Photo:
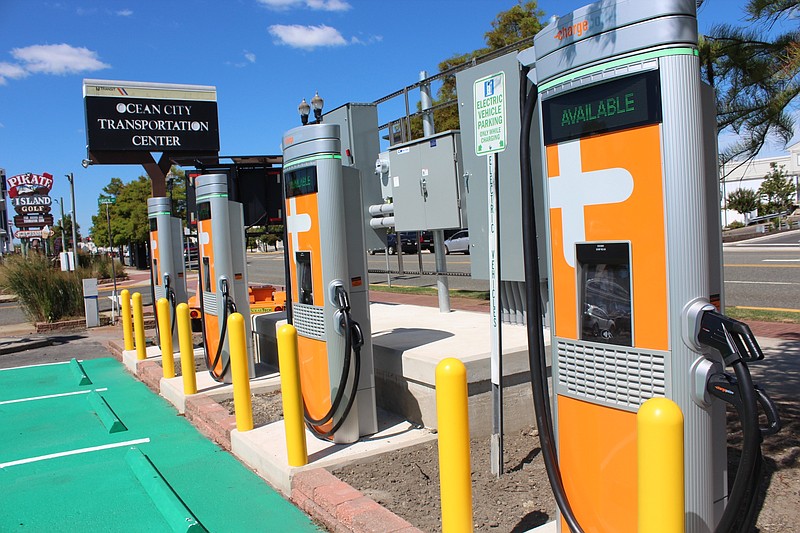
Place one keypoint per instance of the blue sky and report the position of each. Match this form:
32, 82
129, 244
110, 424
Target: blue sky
263, 56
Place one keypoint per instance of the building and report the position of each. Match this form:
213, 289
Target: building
751, 174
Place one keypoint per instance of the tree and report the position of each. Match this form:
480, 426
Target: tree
743, 201
128, 215
63, 230
756, 76
520, 22
777, 189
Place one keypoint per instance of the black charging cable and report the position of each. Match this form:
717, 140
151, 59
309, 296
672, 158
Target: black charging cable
229, 306
353, 341
536, 352
736, 344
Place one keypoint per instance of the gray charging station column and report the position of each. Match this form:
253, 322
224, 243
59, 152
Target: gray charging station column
619, 97
168, 271
327, 263
223, 271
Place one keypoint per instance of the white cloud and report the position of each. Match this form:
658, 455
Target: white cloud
250, 56
308, 37
57, 59
11, 71
125, 12
280, 5
372, 39
328, 5
318, 5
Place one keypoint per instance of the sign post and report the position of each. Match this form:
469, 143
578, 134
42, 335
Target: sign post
490, 139
109, 200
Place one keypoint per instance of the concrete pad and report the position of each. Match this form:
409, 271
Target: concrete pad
264, 448
152, 353
409, 341
172, 388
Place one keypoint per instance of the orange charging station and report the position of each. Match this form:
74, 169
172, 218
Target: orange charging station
167, 269
634, 265
328, 284
223, 272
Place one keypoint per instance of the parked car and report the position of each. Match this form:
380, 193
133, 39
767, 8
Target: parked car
408, 240
190, 254
597, 323
458, 242
426, 241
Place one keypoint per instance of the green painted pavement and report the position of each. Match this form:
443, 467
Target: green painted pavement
109, 486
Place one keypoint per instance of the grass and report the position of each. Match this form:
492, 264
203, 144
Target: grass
746, 314
475, 295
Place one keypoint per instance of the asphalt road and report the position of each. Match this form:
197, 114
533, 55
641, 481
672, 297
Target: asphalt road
762, 273
269, 268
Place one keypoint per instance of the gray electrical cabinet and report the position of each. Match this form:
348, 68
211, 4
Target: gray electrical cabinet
427, 180
508, 174
360, 140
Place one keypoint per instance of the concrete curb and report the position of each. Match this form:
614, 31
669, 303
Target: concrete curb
340, 507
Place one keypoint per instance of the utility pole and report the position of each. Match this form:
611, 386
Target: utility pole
74, 222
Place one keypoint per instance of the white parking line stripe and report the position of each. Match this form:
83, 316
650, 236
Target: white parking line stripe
74, 452
36, 366
32, 398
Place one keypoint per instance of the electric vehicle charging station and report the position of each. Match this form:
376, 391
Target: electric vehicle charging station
223, 272
626, 188
167, 269
328, 284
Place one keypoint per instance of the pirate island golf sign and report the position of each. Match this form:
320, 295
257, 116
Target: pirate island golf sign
29, 195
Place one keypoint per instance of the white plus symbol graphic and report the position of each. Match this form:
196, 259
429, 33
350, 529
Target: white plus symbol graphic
574, 189
296, 223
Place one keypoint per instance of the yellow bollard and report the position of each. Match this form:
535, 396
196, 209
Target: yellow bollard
127, 325
454, 467
292, 396
659, 425
138, 327
187, 350
241, 380
165, 334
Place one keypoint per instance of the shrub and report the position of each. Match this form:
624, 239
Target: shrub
736, 224
100, 268
45, 294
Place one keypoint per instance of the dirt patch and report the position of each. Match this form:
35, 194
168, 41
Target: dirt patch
407, 481
267, 408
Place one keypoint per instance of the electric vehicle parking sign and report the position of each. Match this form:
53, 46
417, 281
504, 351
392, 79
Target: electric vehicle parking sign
490, 114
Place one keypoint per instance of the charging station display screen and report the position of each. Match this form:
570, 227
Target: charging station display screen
301, 181
614, 105
204, 211
305, 287
153, 224
605, 287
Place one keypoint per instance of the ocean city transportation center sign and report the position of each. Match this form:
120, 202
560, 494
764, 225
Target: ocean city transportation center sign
150, 117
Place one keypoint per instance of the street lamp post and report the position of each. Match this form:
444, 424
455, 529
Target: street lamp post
304, 109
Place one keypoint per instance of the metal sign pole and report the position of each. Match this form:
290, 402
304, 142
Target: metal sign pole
495, 327
113, 268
